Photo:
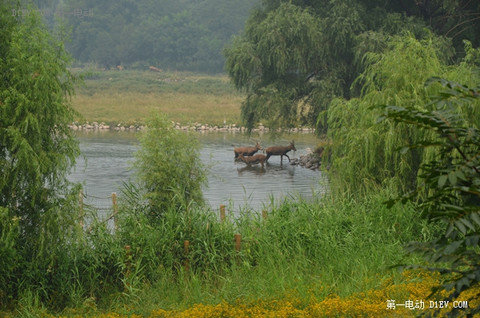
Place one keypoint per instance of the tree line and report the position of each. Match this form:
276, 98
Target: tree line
177, 35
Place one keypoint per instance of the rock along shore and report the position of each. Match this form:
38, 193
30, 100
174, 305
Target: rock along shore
310, 161
194, 127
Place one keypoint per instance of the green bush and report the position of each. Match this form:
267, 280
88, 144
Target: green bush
337, 243
169, 170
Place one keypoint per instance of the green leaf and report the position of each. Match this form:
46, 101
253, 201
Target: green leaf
467, 223
452, 247
380, 119
441, 180
464, 281
450, 229
461, 227
404, 150
451, 208
472, 240
452, 177
460, 175
475, 216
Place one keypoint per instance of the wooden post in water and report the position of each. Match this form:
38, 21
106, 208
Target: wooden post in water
115, 210
238, 242
186, 245
222, 212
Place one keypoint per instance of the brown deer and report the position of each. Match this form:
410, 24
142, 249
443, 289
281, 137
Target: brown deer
280, 151
154, 69
247, 151
252, 160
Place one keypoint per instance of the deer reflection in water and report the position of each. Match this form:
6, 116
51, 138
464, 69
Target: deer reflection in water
255, 170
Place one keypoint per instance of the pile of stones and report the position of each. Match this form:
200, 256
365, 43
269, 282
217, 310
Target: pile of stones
311, 160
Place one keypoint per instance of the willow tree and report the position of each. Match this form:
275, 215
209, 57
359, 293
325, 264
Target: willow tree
36, 145
450, 189
364, 151
274, 61
296, 56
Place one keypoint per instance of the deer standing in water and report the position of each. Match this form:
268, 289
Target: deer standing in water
247, 151
280, 151
251, 160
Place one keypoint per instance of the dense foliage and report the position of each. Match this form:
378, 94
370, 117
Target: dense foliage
274, 62
168, 34
169, 168
364, 151
295, 56
450, 187
36, 151
348, 59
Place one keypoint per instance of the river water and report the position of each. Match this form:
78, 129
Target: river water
107, 158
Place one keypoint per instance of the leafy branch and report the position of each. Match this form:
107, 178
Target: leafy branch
449, 191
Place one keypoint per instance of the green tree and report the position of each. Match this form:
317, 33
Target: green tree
457, 20
450, 186
37, 148
274, 61
364, 151
337, 34
296, 56
169, 169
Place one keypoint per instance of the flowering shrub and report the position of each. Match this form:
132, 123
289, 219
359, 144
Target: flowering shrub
417, 286
372, 303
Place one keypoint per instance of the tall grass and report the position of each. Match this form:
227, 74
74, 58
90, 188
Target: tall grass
334, 245
340, 246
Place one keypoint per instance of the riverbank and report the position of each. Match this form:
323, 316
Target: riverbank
193, 127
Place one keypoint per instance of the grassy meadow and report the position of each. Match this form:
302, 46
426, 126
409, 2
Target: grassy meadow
130, 96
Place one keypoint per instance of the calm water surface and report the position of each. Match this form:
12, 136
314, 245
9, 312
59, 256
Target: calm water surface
107, 158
